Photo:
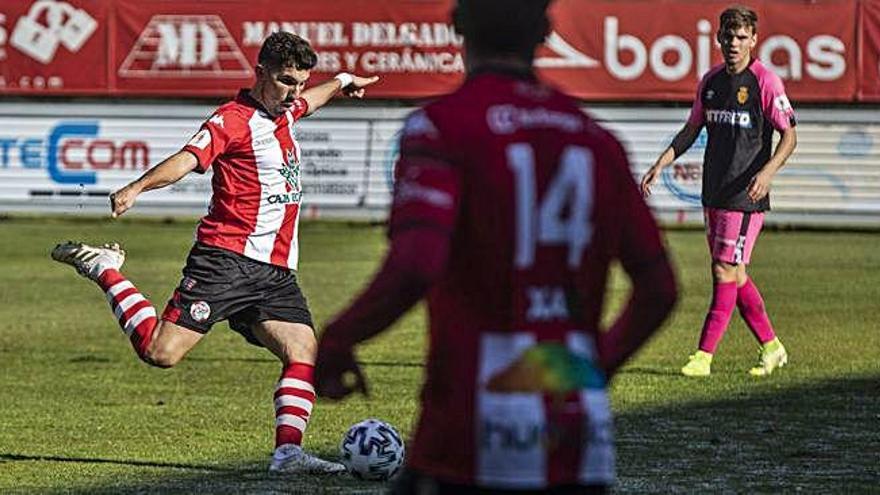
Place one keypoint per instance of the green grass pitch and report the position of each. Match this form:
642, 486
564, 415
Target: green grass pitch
80, 414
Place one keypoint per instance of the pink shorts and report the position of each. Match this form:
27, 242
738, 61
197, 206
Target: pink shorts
732, 234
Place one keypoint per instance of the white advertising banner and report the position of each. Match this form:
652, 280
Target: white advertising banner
69, 157
73, 164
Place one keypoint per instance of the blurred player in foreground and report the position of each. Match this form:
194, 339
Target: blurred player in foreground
509, 206
740, 102
242, 267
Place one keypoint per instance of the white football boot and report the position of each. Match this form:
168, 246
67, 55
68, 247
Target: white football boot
89, 261
293, 459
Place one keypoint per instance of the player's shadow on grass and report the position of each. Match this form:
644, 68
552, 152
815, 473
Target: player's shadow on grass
136, 463
384, 364
658, 371
764, 439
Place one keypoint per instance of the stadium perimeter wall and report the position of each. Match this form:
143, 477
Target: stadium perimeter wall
67, 157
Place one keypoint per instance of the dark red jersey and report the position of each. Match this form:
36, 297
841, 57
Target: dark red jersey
256, 185
538, 200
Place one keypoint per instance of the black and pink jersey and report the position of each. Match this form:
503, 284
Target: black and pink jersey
257, 191
740, 112
539, 201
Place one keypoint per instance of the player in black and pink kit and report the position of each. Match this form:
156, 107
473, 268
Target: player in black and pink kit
741, 103
509, 207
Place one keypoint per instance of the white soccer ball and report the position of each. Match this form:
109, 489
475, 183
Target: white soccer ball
372, 450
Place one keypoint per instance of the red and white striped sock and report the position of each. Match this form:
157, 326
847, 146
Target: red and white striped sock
294, 398
136, 315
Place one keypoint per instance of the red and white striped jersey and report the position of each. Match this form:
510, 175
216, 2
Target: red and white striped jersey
257, 190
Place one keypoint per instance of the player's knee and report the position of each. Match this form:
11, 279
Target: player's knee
161, 357
723, 272
301, 348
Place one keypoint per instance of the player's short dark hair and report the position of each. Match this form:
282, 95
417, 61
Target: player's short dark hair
502, 26
737, 17
282, 49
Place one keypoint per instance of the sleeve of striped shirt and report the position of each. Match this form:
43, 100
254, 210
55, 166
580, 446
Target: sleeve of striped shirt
210, 142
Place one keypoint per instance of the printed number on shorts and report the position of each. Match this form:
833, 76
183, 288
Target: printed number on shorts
569, 191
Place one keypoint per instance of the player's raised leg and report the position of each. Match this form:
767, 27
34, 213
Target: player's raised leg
295, 345
158, 343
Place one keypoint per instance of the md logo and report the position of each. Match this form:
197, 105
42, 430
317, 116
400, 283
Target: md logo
73, 152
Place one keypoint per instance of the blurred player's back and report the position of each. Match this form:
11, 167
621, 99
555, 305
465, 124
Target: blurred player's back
513, 317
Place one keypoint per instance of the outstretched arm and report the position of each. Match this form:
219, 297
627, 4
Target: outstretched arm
680, 144
352, 85
169, 171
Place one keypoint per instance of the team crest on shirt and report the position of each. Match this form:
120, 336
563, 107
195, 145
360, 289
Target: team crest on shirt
200, 311
710, 93
742, 95
291, 174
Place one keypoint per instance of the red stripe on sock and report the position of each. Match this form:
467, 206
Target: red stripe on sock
301, 371
109, 278
287, 434
298, 392
142, 335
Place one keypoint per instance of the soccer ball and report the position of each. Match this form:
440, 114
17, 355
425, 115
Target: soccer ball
372, 450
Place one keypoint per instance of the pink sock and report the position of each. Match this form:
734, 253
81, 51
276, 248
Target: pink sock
135, 314
723, 302
751, 307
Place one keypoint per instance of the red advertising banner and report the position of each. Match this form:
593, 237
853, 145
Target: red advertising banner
869, 70
659, 50
598, 50
196, 48
51, 47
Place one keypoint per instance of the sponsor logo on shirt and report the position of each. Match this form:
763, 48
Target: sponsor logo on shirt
507, 119
730, 117
285, 198
291, 173
547, 367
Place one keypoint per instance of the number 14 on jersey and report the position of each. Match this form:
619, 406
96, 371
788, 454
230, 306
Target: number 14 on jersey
563, 217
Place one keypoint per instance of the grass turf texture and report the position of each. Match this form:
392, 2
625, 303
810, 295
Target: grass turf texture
80, 414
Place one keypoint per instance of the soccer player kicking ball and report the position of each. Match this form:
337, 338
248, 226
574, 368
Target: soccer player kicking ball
242, 267
740, 102
509, 206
